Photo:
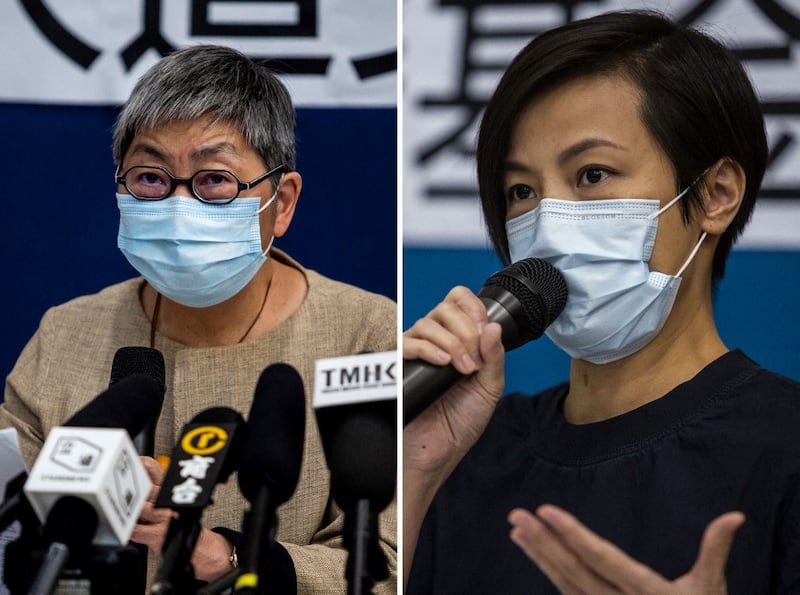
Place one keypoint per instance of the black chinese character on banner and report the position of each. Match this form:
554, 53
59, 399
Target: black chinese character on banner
306, 24
151, 37
72, 47
784, 145
785, 15
470, 103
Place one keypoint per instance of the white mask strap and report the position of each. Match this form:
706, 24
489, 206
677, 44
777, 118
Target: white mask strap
692, 255
264, 253
670, 203
677, 198
271, 198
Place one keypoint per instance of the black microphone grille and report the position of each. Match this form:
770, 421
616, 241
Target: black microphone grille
129, 404
538, 286
72, 521
138, 360
275, 434
363, 452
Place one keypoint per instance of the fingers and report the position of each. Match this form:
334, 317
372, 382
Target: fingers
546, 550
450, 333
491, 376
578, 561
151, 527
715, 547
154, 469
156, 473
600, 556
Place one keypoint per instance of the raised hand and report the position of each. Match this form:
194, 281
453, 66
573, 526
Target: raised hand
579, 561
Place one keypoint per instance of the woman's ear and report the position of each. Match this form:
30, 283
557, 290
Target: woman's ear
724, 186
288, 193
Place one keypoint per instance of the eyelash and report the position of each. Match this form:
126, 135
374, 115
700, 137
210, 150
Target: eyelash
585, 170
511, 194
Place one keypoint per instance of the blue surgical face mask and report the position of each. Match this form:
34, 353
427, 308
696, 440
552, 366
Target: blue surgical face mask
616, 304
194, 253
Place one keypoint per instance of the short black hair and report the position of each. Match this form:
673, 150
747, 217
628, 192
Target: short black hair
696, 101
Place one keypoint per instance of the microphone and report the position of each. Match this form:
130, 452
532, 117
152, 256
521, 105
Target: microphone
270, 467
207, 452
141, 360
525, 298
70, 527
356, 408
127, 404
14, 503
92, 457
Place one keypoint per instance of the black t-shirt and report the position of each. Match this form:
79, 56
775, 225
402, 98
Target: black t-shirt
650, 481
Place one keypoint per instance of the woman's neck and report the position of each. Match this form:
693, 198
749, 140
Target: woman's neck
687, 343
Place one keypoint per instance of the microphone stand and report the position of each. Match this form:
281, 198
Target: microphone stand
175, 573
222, 584
260, 529
366, 562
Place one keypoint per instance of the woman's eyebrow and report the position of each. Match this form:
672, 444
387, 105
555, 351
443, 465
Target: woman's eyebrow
585, 145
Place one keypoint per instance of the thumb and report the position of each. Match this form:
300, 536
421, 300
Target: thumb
715, 547
491, 377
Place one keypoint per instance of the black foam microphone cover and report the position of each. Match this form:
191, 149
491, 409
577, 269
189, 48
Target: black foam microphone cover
72, 521
273, 444
138, 360
524, 298
68, 531
362, 452
128, 404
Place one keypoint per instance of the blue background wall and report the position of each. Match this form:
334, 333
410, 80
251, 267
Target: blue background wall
59, 216
757, 308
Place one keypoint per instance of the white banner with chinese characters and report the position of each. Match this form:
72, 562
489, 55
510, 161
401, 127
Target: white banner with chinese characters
456, 50
332, 52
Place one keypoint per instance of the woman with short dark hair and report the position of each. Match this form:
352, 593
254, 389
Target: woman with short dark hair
626, 151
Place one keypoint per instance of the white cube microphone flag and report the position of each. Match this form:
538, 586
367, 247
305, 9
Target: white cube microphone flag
99, 465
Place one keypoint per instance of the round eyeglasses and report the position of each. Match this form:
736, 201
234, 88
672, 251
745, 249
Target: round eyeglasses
214, 186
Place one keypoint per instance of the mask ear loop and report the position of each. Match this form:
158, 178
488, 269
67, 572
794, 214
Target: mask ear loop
702, 236
271, 198
677, 198
670, 203
693, 253
262, 209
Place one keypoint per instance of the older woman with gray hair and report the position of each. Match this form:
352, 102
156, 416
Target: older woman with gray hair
206, 181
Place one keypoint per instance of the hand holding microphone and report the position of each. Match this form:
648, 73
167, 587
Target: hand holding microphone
524, 298
464, 337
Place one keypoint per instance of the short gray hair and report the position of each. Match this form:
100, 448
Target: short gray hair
217, 82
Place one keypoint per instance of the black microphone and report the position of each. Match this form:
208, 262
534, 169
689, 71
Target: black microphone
525, 298
270, 469
357, 420
141, 360
207, 452
127, 404
108, 467
127, 362
69, 529
15, 506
